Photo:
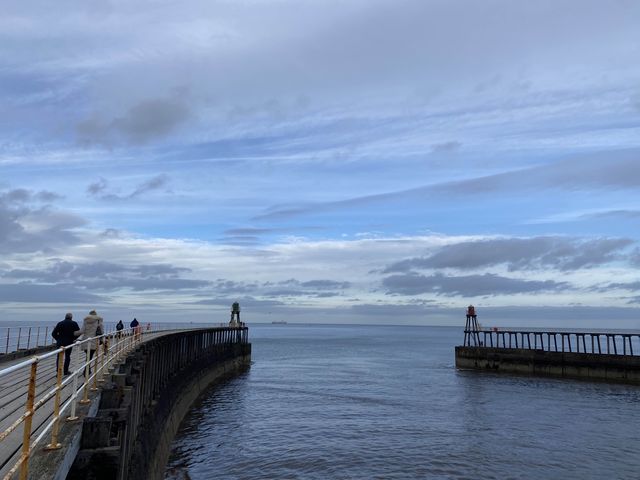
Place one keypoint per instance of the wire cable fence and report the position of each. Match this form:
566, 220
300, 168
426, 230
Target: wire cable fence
37, 396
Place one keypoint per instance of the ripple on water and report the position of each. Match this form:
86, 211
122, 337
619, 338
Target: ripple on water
385, 404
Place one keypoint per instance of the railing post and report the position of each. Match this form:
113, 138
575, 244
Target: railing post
19, 335
26, 435
6, 350
29, 339
85, 389
101, 359
54, 445
72, 416
95, 365
38, 337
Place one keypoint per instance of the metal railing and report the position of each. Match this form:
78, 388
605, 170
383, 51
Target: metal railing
15, 338
50, 395
606, 343
21, 338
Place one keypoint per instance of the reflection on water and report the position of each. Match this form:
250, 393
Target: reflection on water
367, 402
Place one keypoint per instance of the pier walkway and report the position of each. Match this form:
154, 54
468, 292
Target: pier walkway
35, 396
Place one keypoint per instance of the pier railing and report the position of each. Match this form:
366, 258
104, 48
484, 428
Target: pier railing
556, 341
16, 338
36, 396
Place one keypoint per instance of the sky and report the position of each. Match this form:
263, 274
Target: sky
352, 161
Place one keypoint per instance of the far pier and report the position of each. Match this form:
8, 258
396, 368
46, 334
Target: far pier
604, 356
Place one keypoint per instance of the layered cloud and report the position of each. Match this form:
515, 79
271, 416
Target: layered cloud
107, 276
467, 286
559, 253
29, 224
329, 160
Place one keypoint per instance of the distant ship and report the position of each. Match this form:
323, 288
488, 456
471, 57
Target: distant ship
279, 322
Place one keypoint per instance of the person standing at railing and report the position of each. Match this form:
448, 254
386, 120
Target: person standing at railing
65, 333
92, 326
119, 328
135, 325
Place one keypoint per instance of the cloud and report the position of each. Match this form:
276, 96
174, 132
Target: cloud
107, 276
325, 284
26, 228
601, 171
617, 214
252, 231
100, 189
444, 147
520, 254
221, 286
466, 286
632, 286
148, 120
155, 183
246, 302
310, 288
240, 240
59, 293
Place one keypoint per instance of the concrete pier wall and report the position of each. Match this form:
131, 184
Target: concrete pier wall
146, 399
614, 368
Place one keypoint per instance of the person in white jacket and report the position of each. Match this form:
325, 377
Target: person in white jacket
92, 326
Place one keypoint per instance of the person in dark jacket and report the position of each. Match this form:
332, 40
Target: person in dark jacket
65, 334
119, 327
135, 325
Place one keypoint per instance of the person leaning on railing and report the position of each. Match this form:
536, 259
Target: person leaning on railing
65, 333
92, 326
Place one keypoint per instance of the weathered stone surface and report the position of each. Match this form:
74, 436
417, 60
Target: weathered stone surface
136, 423
616, 368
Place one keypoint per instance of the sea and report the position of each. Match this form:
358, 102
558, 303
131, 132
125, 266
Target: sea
386, 402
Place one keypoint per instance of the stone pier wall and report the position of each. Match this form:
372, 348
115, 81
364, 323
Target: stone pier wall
614, 368
141, 408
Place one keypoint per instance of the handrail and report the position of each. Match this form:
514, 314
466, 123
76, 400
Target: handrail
617, 343
50, 396
26, 337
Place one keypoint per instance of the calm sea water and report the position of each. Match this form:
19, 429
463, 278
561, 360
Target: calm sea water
378, 402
